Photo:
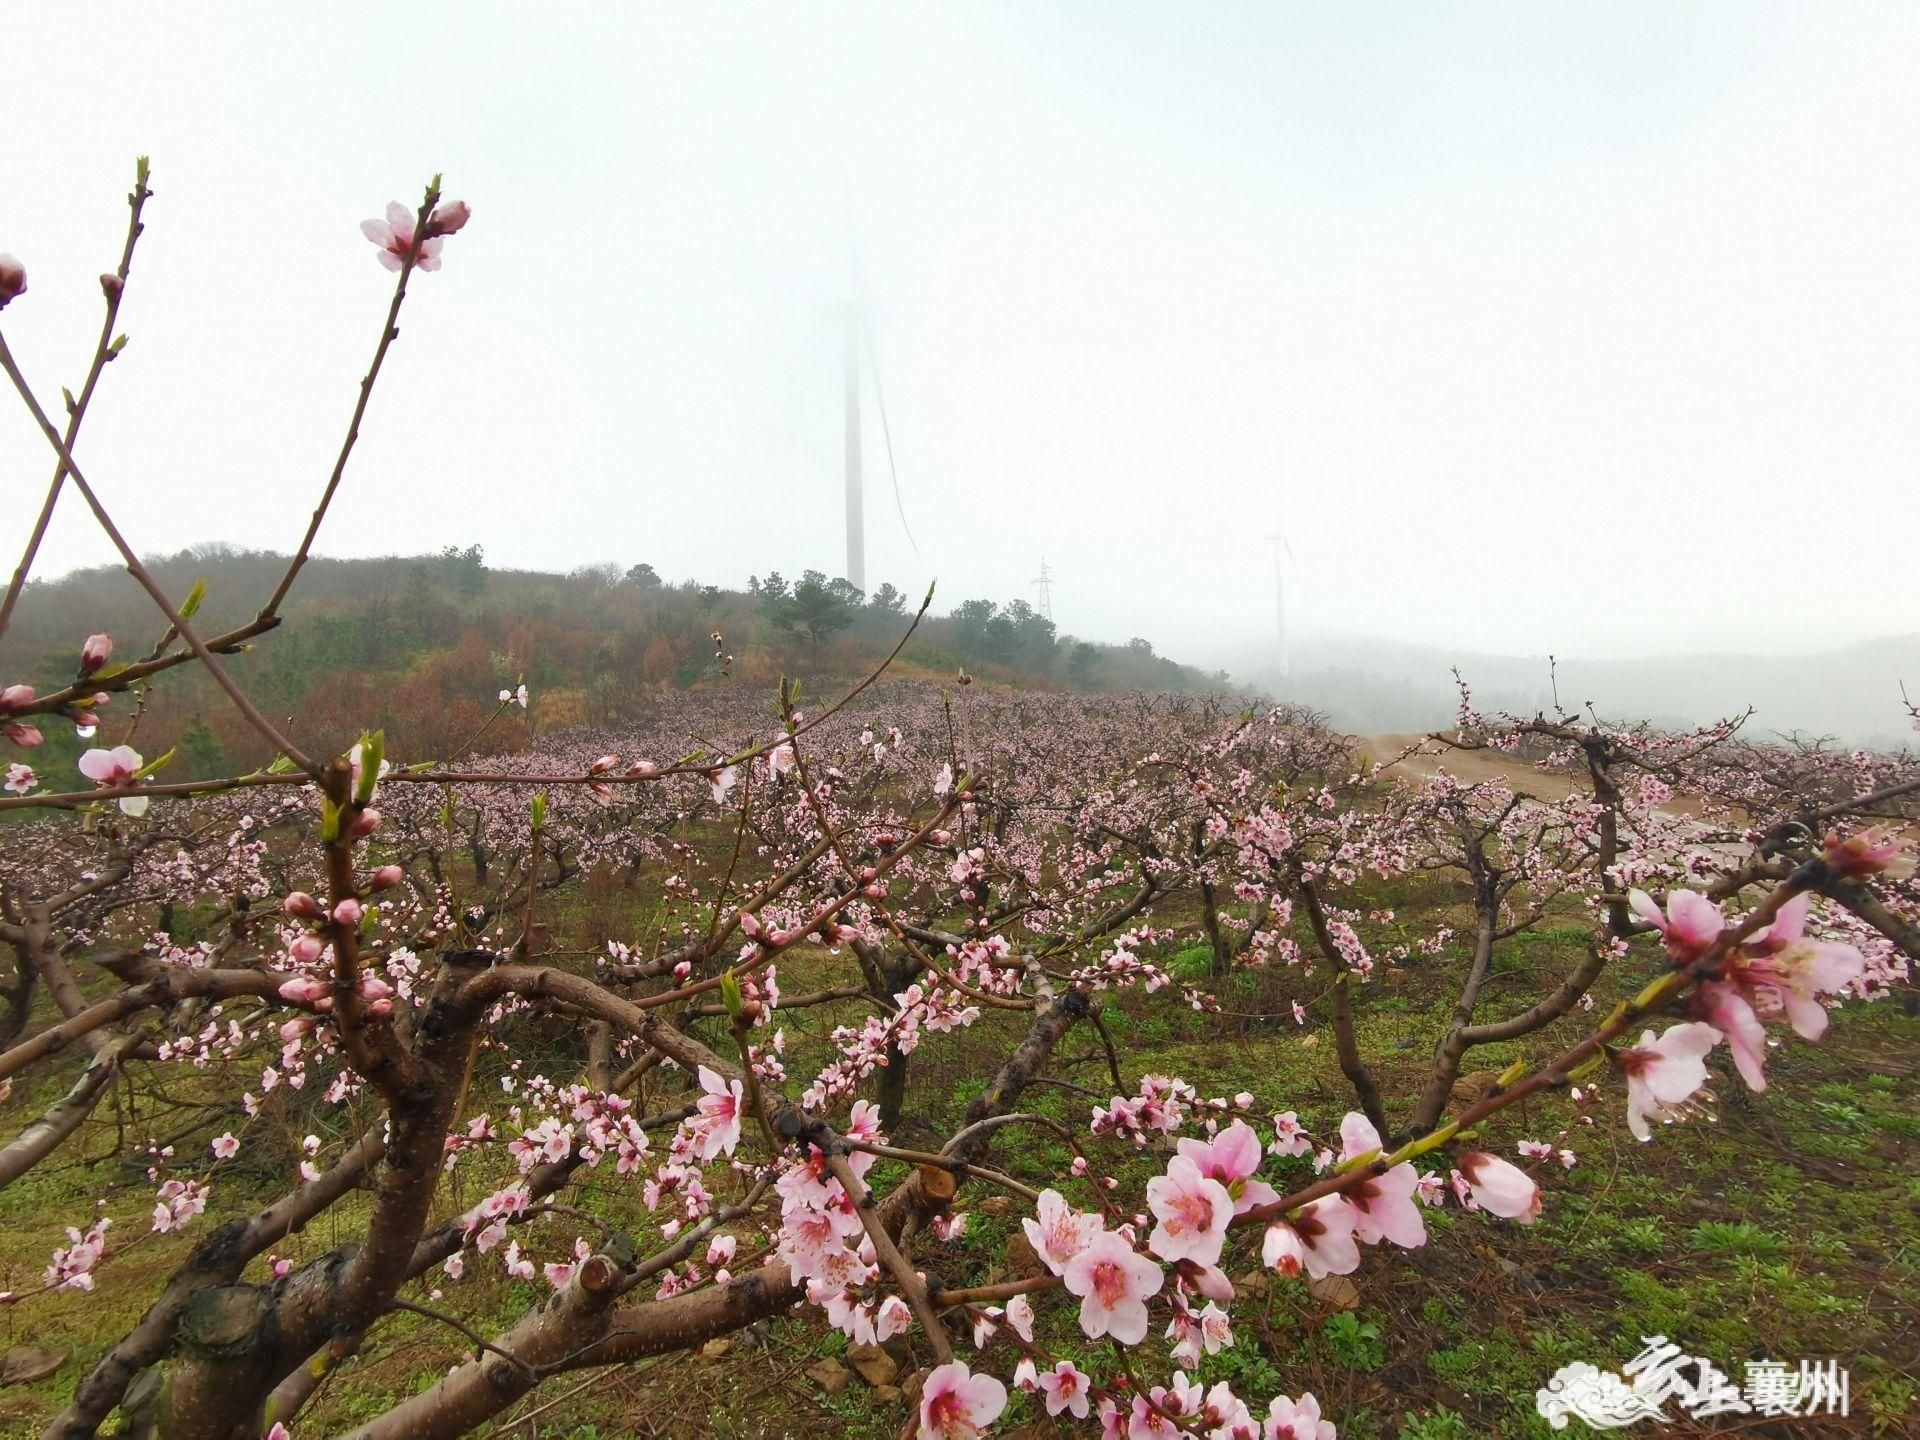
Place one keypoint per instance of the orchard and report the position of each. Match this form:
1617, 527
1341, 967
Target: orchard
583, 1049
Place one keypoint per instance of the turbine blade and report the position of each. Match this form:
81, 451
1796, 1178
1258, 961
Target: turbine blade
886, 431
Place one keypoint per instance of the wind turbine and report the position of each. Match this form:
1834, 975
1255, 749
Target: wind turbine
860, 337
1280, 596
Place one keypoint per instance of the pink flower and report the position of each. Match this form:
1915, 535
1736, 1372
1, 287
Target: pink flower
21, 779
1065, 1388
394, 236
1690, 926
1867, 852
723, 781
1383, 1206
956, 1404
1020, 1317
94, 653
781, 758
1782, 969
1325, 1228
1113, 1283
1732, 1014
943, 780
1288, 1138
1665, 1073
1193, 1211
13, 279
1061, 1232
718, 1129
1503, 1188
225, 1147
1297, 1420
1231, 1157
1282, 1251
113, 767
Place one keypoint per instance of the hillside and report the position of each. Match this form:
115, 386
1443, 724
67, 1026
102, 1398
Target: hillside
422, 645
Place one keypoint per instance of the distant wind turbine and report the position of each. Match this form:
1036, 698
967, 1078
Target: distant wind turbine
1280, 596
859, 337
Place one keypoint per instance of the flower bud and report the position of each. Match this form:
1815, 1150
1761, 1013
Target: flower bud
364, 824
307, 949
603, 764
449, 217
386, 877
13, 279
16, 697
303, 990
1866, 852
302, 906
24, 735
94, 653
110, 285
348, 912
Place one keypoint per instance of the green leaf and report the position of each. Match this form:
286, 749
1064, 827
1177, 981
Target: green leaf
153, 765
190, 606
539, 811
373, 748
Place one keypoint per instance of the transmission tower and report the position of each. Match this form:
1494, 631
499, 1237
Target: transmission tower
1043, 589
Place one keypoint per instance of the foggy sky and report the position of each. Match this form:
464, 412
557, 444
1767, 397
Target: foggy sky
1534, 327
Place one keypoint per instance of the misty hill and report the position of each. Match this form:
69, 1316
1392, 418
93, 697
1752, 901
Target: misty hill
1369, 686
422, 645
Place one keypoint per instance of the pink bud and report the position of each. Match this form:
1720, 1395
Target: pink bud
372, 987
301, 905
348, 912
307, 949
364, 824
868, 875
874, 892
750, 925
84, 719
94, 653
603, 764
449, 217
941, 837
386, 877
16, 697
303, 990
110, 285
1866, 852
297, 1026
25, 735
13, 279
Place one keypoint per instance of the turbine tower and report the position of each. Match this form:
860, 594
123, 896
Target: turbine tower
856, 506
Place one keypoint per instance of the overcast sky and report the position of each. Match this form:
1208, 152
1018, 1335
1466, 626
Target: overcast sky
1593, 328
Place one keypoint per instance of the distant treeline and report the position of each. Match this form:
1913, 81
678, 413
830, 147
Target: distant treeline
423, 645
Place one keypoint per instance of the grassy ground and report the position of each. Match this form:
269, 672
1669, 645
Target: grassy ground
1788, 1228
